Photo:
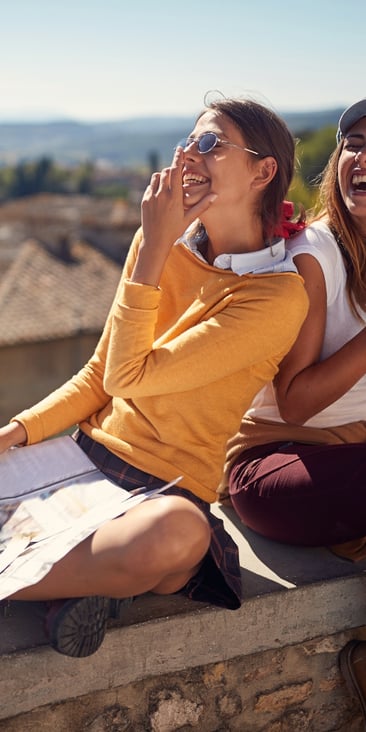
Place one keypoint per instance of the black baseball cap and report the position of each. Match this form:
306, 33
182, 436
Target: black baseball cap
350, 116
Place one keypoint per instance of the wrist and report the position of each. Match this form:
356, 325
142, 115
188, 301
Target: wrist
13, 434
147, 269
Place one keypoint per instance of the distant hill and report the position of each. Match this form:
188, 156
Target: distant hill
128, 142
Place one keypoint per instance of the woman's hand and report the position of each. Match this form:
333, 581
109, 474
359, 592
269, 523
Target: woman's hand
164, 220
12, 434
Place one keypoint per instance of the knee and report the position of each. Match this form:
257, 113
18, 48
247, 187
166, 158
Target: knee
184, 533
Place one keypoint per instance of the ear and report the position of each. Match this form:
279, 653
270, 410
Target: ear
266, 170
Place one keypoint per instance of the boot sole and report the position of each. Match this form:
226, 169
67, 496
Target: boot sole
78, 627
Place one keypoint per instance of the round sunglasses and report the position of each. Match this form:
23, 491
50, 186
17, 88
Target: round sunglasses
207, 141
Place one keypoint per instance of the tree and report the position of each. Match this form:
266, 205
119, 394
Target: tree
84, 177
314, 153
302, 194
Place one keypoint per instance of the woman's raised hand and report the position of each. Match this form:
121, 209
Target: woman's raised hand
164, 219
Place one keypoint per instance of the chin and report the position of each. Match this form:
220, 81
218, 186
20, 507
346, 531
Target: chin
190, 199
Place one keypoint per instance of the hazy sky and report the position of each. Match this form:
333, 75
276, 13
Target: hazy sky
113, 59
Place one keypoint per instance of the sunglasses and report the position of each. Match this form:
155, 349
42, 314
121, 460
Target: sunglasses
208, 141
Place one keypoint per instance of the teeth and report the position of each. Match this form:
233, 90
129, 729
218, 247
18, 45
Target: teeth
194, 179
357, 179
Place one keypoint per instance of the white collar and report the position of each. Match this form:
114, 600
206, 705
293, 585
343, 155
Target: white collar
274, 258
246, 262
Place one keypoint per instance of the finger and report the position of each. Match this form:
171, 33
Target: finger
196, 211
151, 188
164, 181
155, 182
175, 170
177, 157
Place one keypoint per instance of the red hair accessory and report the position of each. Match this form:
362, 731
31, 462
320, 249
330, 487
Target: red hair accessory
286, 227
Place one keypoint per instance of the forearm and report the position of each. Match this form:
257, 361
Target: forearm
148, 267
319, 385
72, 403
11, 435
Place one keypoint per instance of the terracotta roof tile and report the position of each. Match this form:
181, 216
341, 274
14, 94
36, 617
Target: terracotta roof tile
43, 297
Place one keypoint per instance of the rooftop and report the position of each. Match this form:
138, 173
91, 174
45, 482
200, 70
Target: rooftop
44, 295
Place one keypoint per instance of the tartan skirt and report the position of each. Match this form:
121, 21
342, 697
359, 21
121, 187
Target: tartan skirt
218, 580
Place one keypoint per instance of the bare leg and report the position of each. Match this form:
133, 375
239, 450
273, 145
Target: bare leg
157, 546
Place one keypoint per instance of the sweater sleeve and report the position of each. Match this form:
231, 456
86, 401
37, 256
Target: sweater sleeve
240, 331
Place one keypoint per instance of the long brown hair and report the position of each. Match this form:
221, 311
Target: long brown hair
349, 239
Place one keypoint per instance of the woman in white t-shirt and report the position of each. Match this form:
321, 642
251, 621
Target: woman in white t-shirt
297, 469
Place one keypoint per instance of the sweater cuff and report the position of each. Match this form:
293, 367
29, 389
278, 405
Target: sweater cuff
138, 296
32, 425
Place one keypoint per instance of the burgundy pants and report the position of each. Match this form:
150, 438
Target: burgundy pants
310, 495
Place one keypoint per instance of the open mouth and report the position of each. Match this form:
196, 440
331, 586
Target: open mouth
359, 182
192, 179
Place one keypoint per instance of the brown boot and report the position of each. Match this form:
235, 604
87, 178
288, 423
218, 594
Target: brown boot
352, 662
354, 550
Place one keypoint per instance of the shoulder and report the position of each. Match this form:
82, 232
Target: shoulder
272, 284
286, 309
318, 241
281, 295
278, 285
292, 296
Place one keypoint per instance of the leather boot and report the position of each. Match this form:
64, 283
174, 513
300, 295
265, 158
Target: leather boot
354, 550
352, 662
77, 627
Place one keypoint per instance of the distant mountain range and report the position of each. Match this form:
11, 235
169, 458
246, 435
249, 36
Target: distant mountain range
129, 142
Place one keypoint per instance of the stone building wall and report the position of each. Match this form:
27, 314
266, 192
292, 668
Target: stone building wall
291, 689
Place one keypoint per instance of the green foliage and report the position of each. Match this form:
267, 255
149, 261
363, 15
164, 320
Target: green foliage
27, 179
44, 176
302, 194
111, 190
83, 177
313, 152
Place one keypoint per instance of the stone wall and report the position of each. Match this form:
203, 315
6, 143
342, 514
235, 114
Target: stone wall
291, 689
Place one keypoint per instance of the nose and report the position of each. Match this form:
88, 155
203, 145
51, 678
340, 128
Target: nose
189, 144
191, 150
361, 151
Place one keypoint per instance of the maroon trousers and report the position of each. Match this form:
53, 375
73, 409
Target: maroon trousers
310, 495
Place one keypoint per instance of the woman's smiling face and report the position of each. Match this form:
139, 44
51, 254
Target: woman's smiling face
225, 170
352, 172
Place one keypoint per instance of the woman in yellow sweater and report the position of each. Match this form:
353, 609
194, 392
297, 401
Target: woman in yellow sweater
208, 305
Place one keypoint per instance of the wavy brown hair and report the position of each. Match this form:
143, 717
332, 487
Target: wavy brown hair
347, 234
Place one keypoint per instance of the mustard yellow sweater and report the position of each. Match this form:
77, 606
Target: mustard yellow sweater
177, 367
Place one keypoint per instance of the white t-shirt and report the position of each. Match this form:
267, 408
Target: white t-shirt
341, 326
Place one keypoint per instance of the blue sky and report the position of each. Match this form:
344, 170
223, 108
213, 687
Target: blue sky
115, 59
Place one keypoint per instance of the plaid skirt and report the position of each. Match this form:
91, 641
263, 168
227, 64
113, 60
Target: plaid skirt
218, 580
